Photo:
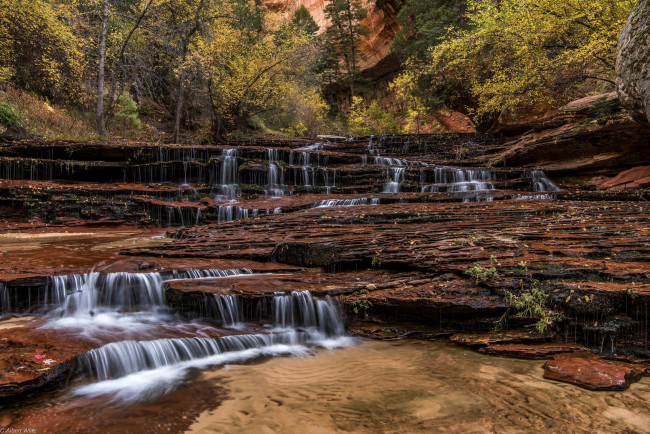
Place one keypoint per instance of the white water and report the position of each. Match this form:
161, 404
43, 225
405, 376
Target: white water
229, 180
227, 308
229, 213
541, 182
346, 202
275, 175
139, 370
456, 180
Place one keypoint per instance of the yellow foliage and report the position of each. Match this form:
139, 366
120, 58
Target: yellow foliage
532, 50
38, 51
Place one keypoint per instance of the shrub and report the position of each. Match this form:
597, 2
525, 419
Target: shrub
127, 112
479, 274
8, 115
533, 304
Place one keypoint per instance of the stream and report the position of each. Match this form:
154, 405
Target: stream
372, 386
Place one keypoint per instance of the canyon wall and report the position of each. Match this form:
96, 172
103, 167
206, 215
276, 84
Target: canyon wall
633, 64
381, 21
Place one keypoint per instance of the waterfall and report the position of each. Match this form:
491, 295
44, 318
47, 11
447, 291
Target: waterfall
110, 291
229, 180
275, 175
313, 147
86, 294
540, 181
387, 161
456, 180
133, 370
326, 178
229, 213
139, 370
346, 202
394, 175
226, 308
300, 310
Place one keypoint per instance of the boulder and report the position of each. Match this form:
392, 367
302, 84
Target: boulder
15, 132
633, 64
589, 371
306, 254
637, 177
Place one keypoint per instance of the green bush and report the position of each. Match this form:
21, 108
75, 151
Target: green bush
480, 274
127, 112
533, 303
8, 115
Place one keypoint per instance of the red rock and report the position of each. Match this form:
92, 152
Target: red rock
34, 358
637, 177
455, 122
381, 23
591, 372
481, 339
531, 351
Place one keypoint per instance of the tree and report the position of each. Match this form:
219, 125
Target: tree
302, 19
343, 35
424, 24
518, 52
131, 11
247, 69
185, 30
38, 51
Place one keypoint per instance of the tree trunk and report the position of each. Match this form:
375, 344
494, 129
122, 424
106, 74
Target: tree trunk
352, 72
99, 112
179, 106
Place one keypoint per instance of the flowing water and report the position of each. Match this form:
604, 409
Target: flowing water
388, 387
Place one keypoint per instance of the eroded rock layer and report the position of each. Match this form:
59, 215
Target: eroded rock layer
423, 236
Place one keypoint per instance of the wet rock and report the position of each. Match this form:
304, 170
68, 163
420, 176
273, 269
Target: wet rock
413, 331
515, 336
591, 372
531, 351
306, 254
34, 359
633, 63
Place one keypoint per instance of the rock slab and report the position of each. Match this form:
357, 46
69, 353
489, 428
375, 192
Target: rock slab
531, 351
591, 372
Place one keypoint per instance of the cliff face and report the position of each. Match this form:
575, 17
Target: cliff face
381, 21
633, 64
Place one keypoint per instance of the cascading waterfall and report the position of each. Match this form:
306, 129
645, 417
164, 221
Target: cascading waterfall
86, 294
226, 308
229, 213
394, 175
229, 180
300, 310
540, 181
307, 172
456, 180
133, 370
346, 202
275, 175
326, 177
